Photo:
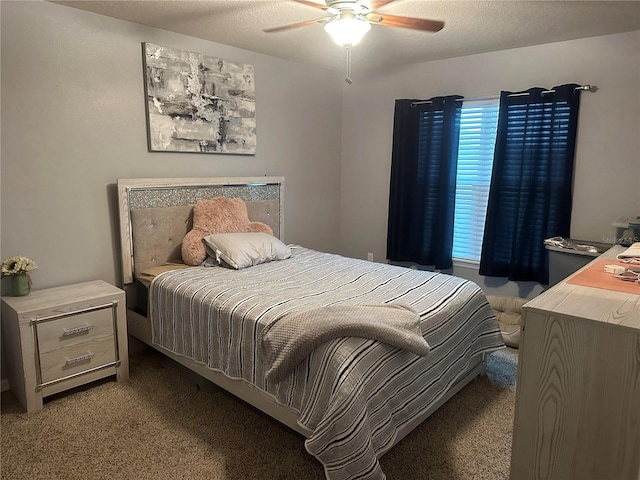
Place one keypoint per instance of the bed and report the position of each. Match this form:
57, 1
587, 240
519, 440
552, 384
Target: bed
351, 397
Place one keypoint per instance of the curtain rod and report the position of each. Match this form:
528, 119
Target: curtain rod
587, 88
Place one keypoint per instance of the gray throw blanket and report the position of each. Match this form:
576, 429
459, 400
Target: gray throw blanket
289, 340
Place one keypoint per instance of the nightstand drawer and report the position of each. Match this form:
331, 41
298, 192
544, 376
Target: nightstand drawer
62, 362
74, 329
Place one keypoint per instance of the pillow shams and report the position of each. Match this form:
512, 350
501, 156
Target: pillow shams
241, 250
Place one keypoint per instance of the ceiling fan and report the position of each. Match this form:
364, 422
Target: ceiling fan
350, 20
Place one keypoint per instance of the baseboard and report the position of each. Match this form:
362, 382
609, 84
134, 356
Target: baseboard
4, 385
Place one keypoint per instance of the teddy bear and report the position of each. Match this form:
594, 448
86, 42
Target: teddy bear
217, 215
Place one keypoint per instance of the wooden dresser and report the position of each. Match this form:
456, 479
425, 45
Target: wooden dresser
577, 412
63, 337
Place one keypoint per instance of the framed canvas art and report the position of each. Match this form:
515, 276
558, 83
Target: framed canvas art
197, 103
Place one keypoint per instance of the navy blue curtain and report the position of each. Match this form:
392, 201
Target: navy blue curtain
423, 181
531, 184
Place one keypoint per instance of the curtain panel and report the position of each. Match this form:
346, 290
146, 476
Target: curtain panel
423, 181
530, 197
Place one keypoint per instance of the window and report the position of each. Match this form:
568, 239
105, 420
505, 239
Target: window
442, 173
478, 127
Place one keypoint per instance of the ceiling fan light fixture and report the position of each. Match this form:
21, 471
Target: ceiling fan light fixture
347, 30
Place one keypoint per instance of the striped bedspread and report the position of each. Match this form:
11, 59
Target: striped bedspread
354, 394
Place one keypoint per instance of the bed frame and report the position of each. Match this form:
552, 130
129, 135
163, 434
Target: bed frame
165, 221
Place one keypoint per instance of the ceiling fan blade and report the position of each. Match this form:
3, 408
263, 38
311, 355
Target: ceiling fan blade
405, 22
376, 4
311, 4
295, 25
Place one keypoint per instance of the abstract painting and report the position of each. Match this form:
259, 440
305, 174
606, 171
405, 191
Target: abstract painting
197, 103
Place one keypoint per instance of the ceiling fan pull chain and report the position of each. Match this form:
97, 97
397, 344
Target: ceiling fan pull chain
347, 78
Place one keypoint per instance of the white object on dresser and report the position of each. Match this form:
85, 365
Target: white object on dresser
577, 410
60, 338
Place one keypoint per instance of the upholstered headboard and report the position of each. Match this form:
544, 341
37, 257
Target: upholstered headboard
155, 214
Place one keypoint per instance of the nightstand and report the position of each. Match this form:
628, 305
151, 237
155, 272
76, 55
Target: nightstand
59, 338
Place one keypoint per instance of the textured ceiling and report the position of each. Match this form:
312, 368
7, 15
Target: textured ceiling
470, 26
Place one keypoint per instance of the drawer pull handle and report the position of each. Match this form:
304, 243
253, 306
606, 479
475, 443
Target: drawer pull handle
81, 358
75, 331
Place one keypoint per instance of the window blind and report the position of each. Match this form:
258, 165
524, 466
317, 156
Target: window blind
478, 127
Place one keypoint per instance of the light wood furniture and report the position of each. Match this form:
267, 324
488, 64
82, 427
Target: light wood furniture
63, 337
577, 410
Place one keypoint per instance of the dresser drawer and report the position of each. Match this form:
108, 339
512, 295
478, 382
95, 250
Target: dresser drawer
77, 358
74, 329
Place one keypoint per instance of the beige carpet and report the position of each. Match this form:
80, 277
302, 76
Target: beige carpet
161, 425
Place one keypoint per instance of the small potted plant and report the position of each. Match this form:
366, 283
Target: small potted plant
18, 268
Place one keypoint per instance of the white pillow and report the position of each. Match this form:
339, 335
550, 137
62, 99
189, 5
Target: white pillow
241, 250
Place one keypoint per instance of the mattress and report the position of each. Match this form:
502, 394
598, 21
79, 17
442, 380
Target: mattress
147, 276
354, 394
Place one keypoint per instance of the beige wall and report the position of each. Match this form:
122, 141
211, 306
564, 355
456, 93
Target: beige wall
607, 168
73, 122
